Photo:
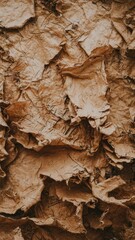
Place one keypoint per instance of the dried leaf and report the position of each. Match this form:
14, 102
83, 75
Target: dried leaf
23, 185
67, 82
15, 14
90, 100
64, 214
11, 234
102, 189
75, 195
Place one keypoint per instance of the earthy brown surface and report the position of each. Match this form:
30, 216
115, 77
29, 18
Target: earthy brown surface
67, 75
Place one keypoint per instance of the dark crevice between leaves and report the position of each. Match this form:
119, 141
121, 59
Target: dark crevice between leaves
51, 5
17, 215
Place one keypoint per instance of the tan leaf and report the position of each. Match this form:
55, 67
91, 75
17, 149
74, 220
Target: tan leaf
15, 14
75, 195
101, 190
90, 98
23, 185
64, 214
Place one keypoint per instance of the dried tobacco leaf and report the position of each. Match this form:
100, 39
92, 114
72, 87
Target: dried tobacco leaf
64, 214
15, 14
102, 189
23, 185
89, 100
67, 117
11, 234
75, 195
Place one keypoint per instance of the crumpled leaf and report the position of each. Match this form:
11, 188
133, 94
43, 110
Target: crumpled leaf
71, 55
61, 165
11, 234
23, 185
116, 159
121, 20
75, 195
64, 214
52, 93
51, 129
11, 152
31, 68
101, 190
84, 80
67, 82
121, 118
103, 34
15, 14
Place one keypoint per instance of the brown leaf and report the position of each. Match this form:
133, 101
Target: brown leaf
90, 99
75, 195
23, 185
64, 214
102, 189
11, 234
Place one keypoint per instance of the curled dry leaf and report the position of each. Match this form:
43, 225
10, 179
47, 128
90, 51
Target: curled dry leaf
90, 98
75, 195
24, 185
33, 117
64, 214
101, 190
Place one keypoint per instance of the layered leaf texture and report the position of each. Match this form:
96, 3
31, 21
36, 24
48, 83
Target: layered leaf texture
67, 117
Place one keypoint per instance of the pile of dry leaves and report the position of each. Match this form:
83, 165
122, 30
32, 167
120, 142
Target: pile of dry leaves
67, 108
